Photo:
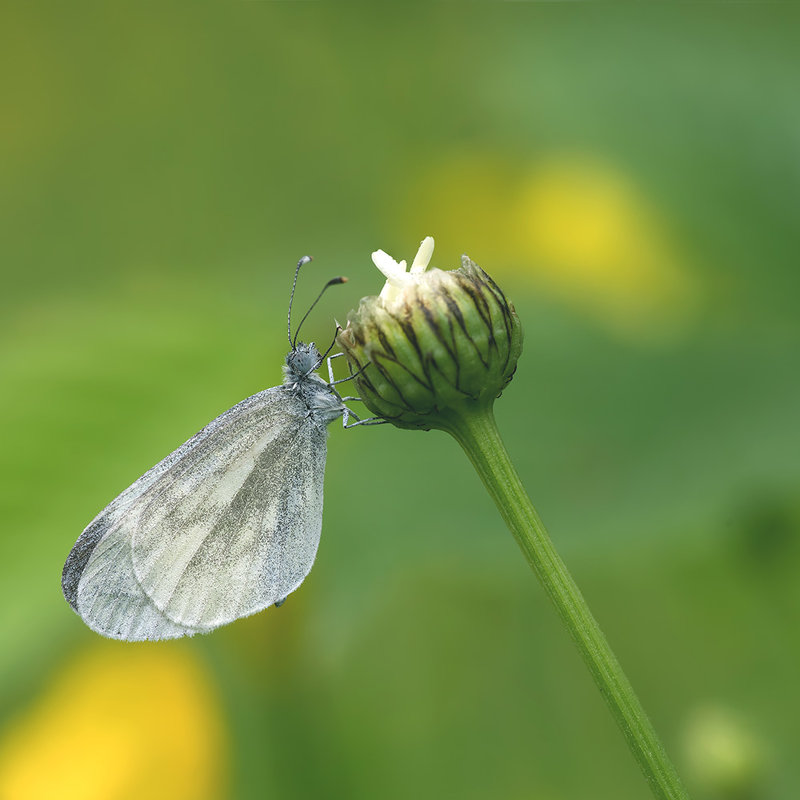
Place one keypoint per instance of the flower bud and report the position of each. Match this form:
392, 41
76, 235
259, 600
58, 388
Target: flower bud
434, 344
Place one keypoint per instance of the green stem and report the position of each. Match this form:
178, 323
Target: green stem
477, 433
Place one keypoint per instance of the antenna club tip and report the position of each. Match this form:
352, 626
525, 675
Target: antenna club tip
343, 279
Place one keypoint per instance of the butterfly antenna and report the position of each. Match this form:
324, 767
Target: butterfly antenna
331, 282
303, 260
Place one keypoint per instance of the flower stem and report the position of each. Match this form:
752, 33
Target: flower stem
477, 434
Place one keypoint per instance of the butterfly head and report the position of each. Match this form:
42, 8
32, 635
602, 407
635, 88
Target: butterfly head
302, 360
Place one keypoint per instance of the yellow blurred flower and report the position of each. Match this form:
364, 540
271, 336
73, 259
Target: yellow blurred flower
120, 723
590, 237
576, 227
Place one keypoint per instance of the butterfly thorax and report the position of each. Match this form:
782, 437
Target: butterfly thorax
323, 402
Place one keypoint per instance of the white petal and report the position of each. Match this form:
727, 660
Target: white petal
424, 254
387, 265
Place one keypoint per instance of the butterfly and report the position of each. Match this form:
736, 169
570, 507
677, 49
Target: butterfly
226, 525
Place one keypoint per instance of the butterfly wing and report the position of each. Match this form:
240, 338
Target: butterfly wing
223, 527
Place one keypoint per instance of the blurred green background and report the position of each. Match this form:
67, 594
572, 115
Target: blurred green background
628, 174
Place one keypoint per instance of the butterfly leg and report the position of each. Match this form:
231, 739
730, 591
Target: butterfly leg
330, 366
341, 380
333, 343
347, 414
368, 421
350, 377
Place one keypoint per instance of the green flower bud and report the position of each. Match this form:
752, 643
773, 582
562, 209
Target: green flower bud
433, 345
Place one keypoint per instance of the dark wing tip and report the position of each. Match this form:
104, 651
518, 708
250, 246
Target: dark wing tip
78, 558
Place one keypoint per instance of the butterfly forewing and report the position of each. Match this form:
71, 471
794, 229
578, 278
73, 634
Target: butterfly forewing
225, 526
220, 541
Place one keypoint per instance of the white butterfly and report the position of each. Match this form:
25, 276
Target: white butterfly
225, 526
